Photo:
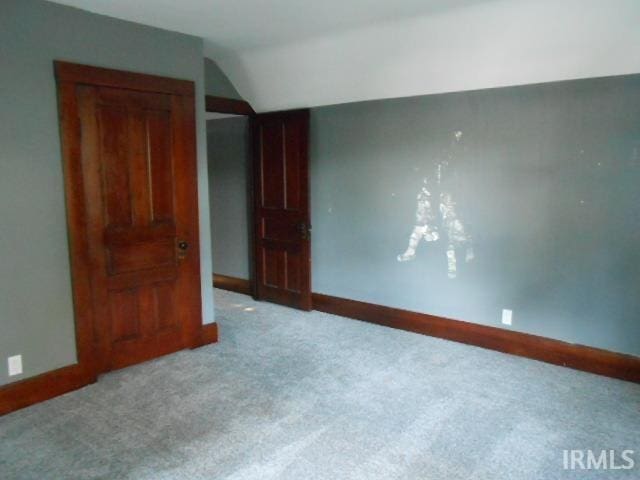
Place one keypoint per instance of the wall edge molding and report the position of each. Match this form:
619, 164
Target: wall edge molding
45, 386
23, 393
48, 385
557, 352
548, 350
233, 284
228, 105
208, 335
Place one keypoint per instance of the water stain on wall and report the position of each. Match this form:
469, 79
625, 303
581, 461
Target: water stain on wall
430, 221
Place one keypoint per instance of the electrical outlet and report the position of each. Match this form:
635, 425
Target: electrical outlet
15, 365
507, 316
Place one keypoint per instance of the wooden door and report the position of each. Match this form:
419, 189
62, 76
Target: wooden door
136, 152
281, 197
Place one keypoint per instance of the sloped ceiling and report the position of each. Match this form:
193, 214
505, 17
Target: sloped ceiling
283, 54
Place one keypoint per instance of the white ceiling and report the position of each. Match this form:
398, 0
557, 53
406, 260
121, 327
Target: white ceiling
244, 24
302, 53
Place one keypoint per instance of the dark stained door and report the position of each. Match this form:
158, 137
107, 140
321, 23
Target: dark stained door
139, 181
281, 190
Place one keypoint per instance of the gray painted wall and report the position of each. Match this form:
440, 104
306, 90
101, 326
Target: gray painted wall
36, 316
228, 150
547, 185
217, 83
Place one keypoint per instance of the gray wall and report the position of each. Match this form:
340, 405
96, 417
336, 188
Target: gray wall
36, 316
546, 184
217, 83
228, 151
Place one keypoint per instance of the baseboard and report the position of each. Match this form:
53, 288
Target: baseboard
579, 357
233, 284
23, 393
208, 335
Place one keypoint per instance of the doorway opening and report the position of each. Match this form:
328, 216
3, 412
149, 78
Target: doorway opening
229, 154
259, 201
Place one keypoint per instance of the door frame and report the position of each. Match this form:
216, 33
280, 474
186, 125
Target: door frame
214, 104
68, 76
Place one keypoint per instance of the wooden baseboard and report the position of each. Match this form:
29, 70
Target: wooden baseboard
23, 393
208, 335
579, 357
48, 385
233, 284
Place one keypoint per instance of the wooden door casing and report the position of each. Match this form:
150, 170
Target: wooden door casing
281, 208
131, 181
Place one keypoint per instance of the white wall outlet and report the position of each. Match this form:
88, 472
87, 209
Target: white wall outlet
15, 365
507, 316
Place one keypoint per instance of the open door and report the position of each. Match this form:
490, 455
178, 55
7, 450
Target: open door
281, 198
130, 169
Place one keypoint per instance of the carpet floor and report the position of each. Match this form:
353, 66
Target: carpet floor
303, 396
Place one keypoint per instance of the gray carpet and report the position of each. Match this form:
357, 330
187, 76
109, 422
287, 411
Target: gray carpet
302, 396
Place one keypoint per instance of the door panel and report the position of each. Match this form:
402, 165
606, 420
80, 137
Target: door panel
139, 183
141, 256
282, 230
114, 160
160, 167
123, 310
271, 164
